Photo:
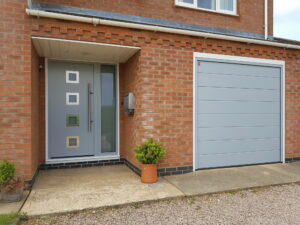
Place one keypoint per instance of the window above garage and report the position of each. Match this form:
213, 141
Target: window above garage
220, 6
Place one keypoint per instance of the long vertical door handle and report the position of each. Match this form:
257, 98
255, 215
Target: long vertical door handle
90, 115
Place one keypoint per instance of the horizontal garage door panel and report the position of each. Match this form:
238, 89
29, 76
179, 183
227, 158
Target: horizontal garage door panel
237, 94
217, 80
243, 145
234, 133
211, 161
239, 69
227, 120
238, 114
238, 107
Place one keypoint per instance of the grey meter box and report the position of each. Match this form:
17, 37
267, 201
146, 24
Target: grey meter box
129, 103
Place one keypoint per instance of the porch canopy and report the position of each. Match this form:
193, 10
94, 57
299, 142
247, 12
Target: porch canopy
64, 49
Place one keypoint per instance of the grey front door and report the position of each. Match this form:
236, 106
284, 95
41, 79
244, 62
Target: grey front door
238, 113
76, 109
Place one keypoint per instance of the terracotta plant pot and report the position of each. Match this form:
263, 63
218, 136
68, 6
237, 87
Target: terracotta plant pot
149, 173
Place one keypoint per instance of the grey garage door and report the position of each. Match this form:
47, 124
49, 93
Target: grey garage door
238, 114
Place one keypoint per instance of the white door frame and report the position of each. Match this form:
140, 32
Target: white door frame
81, 159
277, 63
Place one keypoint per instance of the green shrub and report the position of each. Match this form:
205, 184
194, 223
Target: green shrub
7, 171
12, 218
150, 152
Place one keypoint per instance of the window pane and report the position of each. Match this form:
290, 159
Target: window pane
72, 76
226, 5
207, 4
72, 142
108, 109
187, 1
72, 120
72, 98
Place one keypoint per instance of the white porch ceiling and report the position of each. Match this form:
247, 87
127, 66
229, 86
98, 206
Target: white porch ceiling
82, 51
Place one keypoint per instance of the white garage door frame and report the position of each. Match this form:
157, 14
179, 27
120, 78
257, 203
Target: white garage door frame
235, 59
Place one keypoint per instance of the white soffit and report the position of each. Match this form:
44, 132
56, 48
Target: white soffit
82, 51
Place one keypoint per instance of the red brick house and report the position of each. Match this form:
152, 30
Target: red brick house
210, 82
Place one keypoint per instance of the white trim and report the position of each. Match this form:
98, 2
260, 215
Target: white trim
184, 4
79, 159
217, 10
283, 113
239, 58
68, 81
46, 111
277, 63
233, 13
96, 21
84, 42
194, 110
68, 94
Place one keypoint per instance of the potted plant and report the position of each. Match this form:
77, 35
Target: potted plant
149, 154
11, 187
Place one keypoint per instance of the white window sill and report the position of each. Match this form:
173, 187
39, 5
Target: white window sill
206, 10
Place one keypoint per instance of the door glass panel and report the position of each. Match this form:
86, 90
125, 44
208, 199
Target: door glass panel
108, 109
72, 120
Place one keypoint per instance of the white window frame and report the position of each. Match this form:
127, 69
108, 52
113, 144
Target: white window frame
189, 5
67, 98
68, 81
218, 9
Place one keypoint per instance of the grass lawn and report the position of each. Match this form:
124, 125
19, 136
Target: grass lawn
11, 218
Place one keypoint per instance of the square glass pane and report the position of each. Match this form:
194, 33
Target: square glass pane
207, 4
72, 142
226, 5
72, 120
72, 77
72, 98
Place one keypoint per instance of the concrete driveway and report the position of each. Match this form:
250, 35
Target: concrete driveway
57, 191
235, 178
65, 190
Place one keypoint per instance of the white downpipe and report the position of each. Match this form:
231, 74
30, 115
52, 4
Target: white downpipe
97, 21
266, 20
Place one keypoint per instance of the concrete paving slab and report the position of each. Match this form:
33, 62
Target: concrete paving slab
12, 207
226, 179
57, 191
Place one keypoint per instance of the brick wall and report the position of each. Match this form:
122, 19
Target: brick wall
42, 109
250, 13
129, 124
34, 109
271, 17
38, 103
160, 75
16, 118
